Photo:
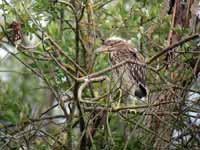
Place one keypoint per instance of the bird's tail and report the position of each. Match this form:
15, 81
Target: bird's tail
141, 91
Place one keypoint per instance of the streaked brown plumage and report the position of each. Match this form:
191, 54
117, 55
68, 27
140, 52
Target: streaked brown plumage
130, 77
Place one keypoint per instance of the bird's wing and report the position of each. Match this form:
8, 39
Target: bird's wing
137, 71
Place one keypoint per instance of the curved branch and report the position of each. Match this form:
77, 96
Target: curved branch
87, 81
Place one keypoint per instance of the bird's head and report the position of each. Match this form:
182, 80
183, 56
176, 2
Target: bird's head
112, 44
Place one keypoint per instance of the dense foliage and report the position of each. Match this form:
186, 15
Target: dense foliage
57, 93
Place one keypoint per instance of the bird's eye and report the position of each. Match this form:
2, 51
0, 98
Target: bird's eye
134, 54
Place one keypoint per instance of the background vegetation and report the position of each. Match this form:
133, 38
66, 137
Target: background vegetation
57, 93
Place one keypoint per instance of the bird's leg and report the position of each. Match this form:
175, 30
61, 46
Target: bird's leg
118, 103
131, 102
120, 98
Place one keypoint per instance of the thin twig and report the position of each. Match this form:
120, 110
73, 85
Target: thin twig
165, 50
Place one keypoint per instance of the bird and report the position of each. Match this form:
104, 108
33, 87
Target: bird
130, 77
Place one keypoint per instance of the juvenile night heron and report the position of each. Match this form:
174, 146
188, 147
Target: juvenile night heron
130, 77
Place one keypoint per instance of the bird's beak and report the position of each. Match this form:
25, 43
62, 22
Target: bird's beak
102, 49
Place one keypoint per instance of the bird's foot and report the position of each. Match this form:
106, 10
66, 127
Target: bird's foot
132, 107
133, 111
